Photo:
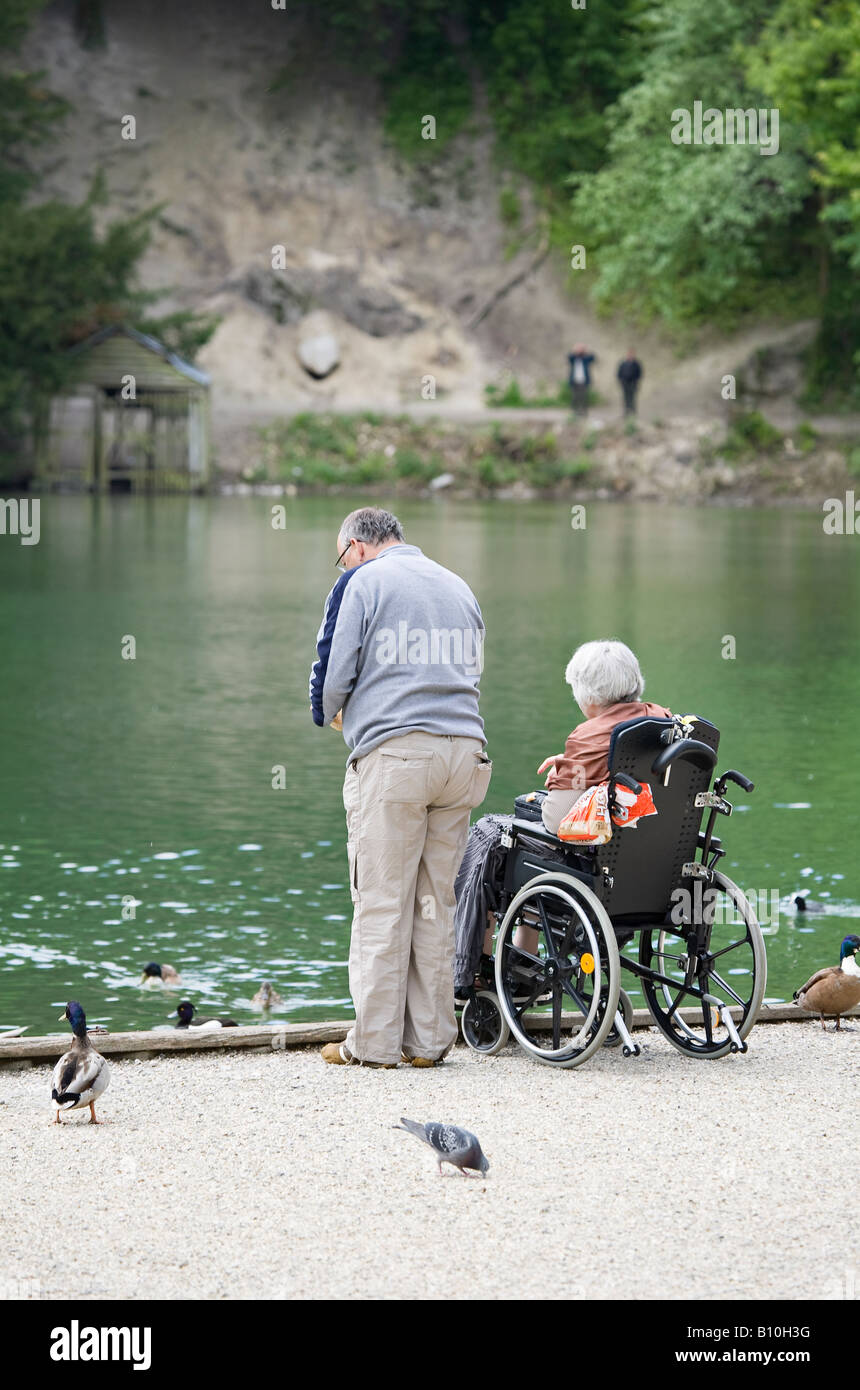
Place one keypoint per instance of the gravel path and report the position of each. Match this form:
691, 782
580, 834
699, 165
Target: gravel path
270, 1175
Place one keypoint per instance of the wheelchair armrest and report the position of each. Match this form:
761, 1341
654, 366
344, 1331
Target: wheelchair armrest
690, 749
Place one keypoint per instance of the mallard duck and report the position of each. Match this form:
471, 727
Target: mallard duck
82, 1074
266, 997
835, 989
188, 1020
155, 974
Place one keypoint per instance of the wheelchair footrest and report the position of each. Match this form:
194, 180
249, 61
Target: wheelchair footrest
630, 1048
724, 1016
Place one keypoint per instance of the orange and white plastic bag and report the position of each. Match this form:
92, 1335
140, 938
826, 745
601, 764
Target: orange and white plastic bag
588, 822
630, 807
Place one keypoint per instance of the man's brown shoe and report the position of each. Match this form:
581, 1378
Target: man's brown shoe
340, 1055
422, 1061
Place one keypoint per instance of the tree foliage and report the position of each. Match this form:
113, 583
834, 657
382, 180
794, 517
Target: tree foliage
680, 231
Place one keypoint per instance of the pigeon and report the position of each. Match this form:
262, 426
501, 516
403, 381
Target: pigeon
450, 1144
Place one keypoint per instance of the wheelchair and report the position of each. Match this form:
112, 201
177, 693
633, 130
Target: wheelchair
650, 901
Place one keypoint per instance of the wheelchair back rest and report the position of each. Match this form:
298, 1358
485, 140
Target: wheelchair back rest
646, 862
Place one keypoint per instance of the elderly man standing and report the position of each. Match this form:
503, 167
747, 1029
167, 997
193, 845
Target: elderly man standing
400, 653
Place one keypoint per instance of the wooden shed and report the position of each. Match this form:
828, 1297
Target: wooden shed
133, 418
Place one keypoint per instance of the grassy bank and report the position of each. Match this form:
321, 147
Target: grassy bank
743, 458
318, 452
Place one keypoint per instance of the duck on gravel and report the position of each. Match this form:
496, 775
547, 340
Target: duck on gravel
82, 1074
836, 989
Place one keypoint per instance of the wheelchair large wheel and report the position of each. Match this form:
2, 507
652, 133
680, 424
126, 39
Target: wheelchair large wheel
730, 973
559, 1000
482, 1024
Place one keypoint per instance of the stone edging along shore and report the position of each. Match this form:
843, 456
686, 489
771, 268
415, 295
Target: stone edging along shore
272, 1037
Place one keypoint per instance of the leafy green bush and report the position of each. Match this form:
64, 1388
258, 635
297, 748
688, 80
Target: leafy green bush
428, 81
510, 210
370, 469
408, 463
749, 433
494, 472
806, 437
511, 395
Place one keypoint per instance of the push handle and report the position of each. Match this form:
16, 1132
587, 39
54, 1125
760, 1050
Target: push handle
738, 777
692, 750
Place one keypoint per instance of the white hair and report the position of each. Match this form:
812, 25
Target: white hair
604, 673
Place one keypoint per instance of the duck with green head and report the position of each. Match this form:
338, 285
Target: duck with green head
836, 989
82, 1074
155, 975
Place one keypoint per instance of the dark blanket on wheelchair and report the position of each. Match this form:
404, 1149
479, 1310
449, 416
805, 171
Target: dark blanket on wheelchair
476, 888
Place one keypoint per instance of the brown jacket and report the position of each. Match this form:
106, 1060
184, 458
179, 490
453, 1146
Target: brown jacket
586, 751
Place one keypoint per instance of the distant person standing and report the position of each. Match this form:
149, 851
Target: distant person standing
630, 374
579, 378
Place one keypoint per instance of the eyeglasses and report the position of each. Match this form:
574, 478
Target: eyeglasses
337, 562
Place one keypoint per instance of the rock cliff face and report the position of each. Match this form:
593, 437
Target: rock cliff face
282, 201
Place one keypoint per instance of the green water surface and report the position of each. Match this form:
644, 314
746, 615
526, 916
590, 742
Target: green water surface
151, 779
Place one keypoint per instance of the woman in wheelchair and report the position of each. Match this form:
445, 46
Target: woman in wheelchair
607, 685
565, 915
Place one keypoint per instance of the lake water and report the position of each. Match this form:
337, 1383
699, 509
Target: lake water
150, 780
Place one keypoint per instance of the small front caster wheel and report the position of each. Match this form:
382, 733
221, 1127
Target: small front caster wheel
483, 1027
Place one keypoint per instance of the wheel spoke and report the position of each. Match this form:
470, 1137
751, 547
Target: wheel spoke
722, 983
734, 946
708, 1021
682, 991
518, 950
556, 1016
580, 1000
547, 929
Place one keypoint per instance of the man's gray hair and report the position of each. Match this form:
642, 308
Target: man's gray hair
604, 673
371, 525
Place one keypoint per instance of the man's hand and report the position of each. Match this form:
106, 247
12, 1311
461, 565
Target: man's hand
337, 722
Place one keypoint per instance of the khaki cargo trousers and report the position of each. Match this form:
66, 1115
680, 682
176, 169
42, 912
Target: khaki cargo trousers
407, 815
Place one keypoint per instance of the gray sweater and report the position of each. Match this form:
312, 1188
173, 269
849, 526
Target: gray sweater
400, 649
